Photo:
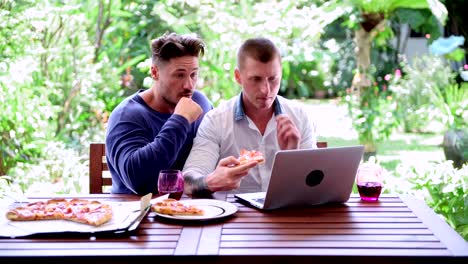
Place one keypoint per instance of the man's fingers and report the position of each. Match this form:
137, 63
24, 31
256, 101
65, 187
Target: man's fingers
243, 169
285, 133
281, 117
228, 161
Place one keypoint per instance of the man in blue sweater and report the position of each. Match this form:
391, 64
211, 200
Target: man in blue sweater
154, 129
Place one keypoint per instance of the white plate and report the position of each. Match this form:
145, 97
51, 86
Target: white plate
213, 209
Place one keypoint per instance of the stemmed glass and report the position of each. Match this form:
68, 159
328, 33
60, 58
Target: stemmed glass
171, 182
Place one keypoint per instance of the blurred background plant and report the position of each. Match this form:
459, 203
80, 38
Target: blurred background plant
62, 171
443, 187
430, 90
415, 91
51, 87
374, 116
374, 23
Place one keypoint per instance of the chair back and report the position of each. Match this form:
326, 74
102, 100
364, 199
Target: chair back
322, 144
99, 175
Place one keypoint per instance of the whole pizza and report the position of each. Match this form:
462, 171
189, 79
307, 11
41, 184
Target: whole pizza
83, 211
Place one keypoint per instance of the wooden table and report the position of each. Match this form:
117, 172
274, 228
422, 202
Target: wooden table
396, 229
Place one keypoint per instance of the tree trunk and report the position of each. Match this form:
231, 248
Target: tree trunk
363, 47
372, 22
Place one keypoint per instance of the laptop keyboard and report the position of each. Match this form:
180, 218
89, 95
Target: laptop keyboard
259, 200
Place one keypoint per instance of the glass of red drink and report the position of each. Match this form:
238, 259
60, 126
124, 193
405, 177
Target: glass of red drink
171, 182
369, 181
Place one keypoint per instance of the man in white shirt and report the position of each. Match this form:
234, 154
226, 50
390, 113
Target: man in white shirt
257, 119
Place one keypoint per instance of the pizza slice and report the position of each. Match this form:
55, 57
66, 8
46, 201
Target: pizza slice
253, 155
173, 207
89, 212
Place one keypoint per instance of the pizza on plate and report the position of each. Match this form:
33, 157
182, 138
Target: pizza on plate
77, 210
173, 207
252, 155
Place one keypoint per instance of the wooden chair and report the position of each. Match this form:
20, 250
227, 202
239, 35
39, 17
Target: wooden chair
322, 144
99, 176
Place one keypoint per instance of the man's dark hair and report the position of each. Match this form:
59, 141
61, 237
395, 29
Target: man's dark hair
172, 45
259, 49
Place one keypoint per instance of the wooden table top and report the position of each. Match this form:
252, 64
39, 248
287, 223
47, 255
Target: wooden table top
394, 229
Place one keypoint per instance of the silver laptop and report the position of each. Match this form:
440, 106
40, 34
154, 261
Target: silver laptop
309, 177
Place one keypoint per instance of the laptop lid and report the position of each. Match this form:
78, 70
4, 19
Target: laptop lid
310, 177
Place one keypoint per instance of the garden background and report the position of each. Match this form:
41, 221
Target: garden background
65, 65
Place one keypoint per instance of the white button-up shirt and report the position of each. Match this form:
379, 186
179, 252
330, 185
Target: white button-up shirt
226, 130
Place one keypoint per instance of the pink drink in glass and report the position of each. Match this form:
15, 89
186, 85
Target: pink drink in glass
171, 182
369, 181
369, 191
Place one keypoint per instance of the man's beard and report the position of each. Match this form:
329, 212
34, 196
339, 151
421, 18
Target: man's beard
169, 102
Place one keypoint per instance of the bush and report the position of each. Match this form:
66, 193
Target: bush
444, 189
61, 171
415, 91
51, 87
374, 116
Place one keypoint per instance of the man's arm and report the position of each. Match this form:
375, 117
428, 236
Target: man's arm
137, 158
203, 157
202, 171
136, 154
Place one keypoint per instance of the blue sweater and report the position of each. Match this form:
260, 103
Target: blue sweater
141, 141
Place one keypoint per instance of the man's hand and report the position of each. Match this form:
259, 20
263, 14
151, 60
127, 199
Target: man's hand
228, 174
187, 108
287, 133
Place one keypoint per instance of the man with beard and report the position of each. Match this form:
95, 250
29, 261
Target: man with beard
153, 129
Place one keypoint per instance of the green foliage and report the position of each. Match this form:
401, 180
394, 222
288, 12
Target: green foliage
457, 55
51, 86
444, 189
61, 171
23, 127
419, 20
389, 6
24, 107
423, 81
295, 30
5, 182
452, 101
373, 114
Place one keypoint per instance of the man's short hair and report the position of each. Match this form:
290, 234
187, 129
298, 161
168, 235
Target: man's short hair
172, 45
259, 49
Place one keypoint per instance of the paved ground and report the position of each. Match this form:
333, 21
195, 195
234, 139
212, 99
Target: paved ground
331, 119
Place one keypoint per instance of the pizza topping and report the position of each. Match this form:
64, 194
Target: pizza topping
174, 207
253, 155
81, 211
